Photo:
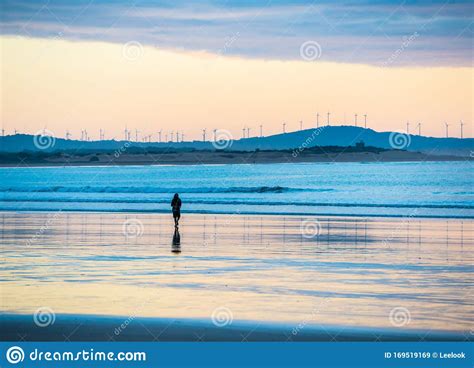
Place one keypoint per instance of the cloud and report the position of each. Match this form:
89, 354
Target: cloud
350, 32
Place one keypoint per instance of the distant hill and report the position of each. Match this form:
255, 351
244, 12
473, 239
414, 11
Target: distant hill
324, 136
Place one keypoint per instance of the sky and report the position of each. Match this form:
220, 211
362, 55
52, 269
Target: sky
176, 65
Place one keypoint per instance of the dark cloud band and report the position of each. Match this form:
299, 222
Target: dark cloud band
386, 33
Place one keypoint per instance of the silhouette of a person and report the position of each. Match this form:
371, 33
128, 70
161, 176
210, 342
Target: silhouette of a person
176, 208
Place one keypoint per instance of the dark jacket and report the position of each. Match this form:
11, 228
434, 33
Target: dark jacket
176, 204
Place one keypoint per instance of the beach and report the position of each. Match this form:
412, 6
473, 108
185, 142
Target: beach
116, 276
196, 157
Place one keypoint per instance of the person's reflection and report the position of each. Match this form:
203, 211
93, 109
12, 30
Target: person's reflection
176, 245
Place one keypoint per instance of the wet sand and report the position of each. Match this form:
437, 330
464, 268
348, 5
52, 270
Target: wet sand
234, 277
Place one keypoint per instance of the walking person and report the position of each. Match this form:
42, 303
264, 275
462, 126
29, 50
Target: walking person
176, 207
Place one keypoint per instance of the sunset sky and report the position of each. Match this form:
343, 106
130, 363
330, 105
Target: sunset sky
153, 65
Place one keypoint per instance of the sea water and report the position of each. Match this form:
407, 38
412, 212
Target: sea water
407, 189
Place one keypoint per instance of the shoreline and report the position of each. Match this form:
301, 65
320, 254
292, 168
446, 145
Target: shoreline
289, 214
81, 327
228, 158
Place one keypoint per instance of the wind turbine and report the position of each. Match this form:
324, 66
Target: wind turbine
317, 120
261, 130
125, 133
182, 137
462, 124
159, 135
68, 135
3, 132
16, 131
328, 117
177, 136
101, 134
136, 135
356, 119
301, 124
365, 121
171, 136
408, 127
248, 132
215, 131
284, 126
419, 129
204, 135
447, 129
243, 132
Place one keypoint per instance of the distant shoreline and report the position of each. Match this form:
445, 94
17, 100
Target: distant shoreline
347, 154
242, 213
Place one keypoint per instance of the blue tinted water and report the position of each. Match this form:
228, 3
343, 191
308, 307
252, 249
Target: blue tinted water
366, 189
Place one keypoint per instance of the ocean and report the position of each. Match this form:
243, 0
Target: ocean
407, 189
